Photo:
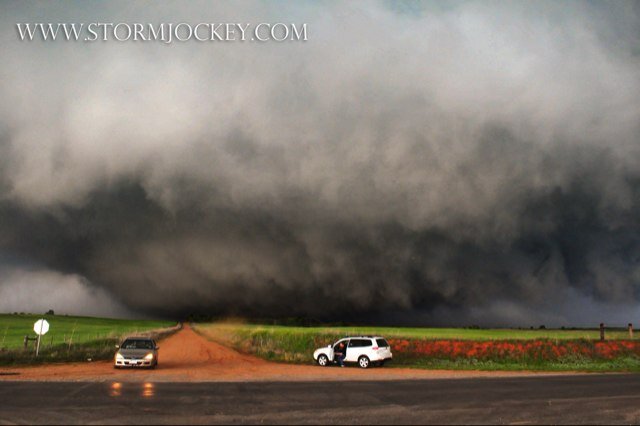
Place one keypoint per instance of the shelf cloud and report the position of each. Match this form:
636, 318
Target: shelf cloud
417, 163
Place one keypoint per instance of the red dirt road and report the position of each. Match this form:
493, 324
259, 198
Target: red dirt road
188, 357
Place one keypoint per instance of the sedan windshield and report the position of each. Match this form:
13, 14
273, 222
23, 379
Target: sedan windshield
137, 344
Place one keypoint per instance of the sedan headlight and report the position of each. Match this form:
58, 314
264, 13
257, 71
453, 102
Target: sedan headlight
148, 357
119, 357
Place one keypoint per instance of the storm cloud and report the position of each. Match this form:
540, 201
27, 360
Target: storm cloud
411, 162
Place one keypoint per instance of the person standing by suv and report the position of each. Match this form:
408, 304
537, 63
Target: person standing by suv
365, 351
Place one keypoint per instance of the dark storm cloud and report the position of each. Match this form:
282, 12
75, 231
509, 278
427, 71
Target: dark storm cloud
469, 163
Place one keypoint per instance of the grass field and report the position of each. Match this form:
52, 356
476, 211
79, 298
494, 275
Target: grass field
486, 349
69, 338
421, 333
64, 329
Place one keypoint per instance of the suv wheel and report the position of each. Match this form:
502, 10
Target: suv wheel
323, 361
364, 362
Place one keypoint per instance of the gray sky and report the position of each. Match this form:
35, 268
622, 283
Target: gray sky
439, 163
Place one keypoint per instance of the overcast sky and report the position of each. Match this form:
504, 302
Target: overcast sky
446, 163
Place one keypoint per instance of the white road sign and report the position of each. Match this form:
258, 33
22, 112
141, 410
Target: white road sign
41, 327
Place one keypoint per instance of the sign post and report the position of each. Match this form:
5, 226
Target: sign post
41, 327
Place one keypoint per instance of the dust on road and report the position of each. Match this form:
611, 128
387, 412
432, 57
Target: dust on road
188, 357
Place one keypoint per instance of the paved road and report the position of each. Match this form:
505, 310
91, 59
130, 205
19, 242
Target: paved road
561, 399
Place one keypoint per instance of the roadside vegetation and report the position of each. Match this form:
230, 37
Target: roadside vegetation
434, 348
70, 338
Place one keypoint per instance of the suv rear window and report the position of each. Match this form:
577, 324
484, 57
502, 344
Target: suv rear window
382, 343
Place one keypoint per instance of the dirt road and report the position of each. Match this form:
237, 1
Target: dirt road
188, 357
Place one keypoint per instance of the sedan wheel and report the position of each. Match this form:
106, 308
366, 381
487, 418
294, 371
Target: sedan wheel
364, 362
323, 361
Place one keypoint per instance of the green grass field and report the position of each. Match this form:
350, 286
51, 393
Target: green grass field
296, 345
67, 329
419, 333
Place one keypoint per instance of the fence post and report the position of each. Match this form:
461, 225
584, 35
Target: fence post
602, 331
630, 331
71, 338
26, 342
